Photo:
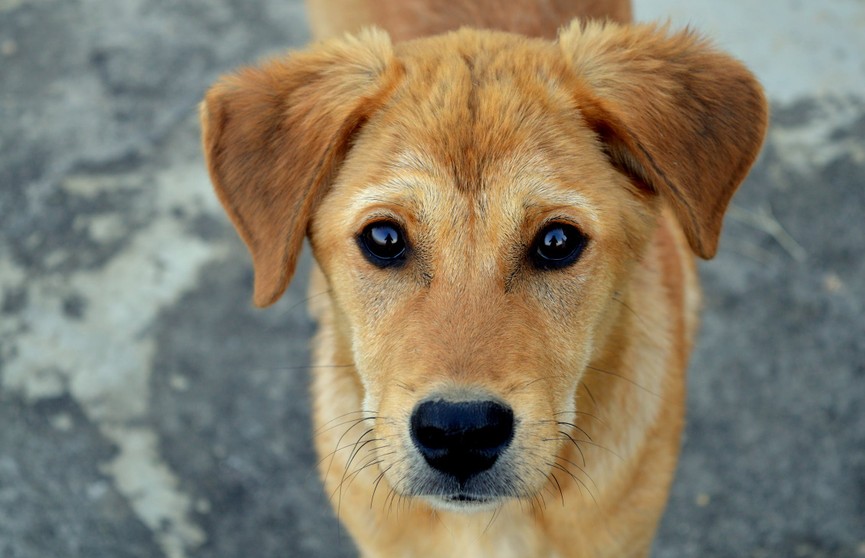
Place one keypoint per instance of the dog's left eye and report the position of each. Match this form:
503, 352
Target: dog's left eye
557, 245
383, 243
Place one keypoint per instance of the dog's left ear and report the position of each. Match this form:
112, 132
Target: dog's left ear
679, 117
274, 136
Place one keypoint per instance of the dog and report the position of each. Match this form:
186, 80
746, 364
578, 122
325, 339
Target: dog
504, 208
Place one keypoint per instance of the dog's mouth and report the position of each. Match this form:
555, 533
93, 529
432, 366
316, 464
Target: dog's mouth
462, 501
468, 499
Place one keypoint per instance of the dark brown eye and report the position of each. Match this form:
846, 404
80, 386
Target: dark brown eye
383, 243
557, 245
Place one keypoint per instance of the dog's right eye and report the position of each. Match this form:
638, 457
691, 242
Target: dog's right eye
383, 243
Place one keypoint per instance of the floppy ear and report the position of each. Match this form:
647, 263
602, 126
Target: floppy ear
273, 136
681, 118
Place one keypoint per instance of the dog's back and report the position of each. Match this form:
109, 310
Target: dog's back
410, 19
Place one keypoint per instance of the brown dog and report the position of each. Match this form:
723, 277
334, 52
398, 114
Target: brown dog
503, 228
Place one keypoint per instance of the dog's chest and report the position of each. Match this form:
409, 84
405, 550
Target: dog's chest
506, 536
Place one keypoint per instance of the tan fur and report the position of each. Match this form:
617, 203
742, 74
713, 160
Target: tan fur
472, 140
410, 19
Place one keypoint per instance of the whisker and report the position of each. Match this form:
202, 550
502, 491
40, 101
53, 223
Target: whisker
404, 387
576, 478
605, 448
373, 461
625, 378
522, 501
376, 483
353, 446
541, 505
559, 486
339, 441
576, 445
322, 430
392, 497
587, 442
494, 516
582, 413
358, 446
305, 300
591, 397
631, 310
332, 454
575, 427
528, 383
347, 468
347, 414
583, 471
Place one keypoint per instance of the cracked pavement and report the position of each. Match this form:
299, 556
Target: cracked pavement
147, 410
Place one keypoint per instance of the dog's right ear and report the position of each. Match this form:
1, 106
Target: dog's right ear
274, 135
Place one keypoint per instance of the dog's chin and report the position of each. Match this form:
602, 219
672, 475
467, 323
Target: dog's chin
463, 503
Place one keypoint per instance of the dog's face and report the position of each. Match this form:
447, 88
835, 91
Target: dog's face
476, 202
473, 241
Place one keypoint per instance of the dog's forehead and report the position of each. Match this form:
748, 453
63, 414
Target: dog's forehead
471, 100
484, 118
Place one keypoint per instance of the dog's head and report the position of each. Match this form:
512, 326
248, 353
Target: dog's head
476, 200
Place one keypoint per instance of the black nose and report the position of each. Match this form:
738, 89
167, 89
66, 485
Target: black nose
463, 438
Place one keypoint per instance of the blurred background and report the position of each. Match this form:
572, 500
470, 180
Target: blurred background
147, 410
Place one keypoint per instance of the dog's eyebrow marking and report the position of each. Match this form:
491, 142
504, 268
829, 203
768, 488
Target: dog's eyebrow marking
397, 191
406, 191
407, 188
535, 176
549, 196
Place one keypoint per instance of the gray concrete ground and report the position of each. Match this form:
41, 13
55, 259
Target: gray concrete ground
146, 410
